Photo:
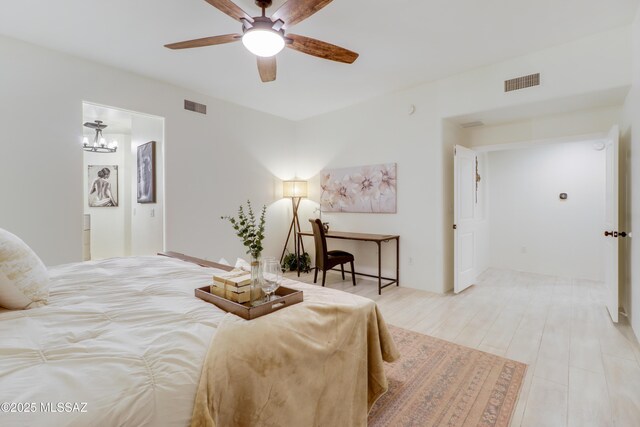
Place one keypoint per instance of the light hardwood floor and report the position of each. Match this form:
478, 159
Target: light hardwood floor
583, 370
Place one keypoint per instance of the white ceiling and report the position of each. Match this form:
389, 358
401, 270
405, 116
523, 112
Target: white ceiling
401, 42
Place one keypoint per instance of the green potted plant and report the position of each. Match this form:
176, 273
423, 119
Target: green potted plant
291, 264
251, 231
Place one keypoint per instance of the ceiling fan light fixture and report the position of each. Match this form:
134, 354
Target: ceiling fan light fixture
263, 42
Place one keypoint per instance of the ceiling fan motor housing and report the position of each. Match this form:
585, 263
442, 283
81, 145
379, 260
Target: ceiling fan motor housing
263, 23
264, 3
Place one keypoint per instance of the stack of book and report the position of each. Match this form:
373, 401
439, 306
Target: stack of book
234, 286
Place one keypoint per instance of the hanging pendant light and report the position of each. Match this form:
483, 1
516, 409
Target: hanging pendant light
99, 142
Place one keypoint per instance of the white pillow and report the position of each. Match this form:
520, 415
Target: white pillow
24, 280
10, 296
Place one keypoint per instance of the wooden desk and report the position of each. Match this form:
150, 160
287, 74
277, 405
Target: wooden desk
365, 237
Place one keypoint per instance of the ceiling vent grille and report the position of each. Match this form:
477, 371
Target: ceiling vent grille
522, 82
195, 107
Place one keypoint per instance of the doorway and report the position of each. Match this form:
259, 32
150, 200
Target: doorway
542, 208
117, 220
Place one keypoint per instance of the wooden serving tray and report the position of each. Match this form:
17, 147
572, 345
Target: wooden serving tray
286, 298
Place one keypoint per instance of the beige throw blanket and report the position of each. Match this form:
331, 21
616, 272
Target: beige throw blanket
317, 363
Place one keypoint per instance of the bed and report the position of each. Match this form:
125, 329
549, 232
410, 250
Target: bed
120, 343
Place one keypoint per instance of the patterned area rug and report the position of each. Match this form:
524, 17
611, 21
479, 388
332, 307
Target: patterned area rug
439, 383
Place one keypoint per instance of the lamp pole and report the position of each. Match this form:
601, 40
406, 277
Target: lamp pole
295, 227
295, 190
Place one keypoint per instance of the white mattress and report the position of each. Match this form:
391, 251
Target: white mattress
125, 336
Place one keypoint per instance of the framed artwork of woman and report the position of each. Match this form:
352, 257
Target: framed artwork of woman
147, 172
103, 186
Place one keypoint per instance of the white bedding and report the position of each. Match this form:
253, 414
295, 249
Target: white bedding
125, 336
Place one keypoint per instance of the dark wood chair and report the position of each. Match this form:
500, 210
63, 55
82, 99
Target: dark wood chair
326, 260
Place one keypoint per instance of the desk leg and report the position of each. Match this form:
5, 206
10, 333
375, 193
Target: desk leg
298, 241
398, 261
379, 268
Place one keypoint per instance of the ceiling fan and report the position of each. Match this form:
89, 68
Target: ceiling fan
265, 37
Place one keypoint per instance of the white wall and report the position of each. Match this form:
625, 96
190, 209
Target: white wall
147, 219
381, 130
631, 159
108, 236
531, 229
545, 127
213, 162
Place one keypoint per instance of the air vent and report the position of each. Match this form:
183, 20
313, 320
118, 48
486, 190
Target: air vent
195, 107
522, 82
472, 124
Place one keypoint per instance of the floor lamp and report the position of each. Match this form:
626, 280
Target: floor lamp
295, 190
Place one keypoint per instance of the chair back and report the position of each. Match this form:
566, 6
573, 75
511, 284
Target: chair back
320, 242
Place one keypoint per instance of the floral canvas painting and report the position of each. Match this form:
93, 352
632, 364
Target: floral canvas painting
365, 189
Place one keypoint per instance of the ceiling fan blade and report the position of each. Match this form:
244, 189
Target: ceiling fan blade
231, 9
206, 41
321, 49
267, 68
295, 11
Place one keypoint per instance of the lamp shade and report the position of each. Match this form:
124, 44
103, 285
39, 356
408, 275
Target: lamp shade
294, 189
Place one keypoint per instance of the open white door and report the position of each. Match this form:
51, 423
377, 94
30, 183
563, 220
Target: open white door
465, 224
611, 223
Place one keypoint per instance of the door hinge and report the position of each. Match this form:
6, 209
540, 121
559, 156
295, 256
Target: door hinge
455, 227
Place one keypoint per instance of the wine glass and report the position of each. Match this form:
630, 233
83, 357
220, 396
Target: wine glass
271, 277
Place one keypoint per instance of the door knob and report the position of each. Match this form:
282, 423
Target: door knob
616, 234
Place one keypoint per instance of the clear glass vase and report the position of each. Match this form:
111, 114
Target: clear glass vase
256, 281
